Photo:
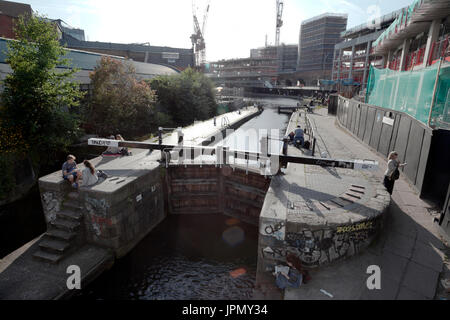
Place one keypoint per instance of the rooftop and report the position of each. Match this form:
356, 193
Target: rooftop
14, 9
326, 15
374, 24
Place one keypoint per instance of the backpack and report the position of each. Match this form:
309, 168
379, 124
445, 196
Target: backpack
306, 144
395, 175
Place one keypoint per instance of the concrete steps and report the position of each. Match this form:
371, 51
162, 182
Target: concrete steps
64, 224
72, 204
47, 256
63, 232
69, 214
54, 246
60, 234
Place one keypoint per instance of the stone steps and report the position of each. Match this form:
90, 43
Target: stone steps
72, 204
66, 225
69, 214
54, 246
47, 256
60, 234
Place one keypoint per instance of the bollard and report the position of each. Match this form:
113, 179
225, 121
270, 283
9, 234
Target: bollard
214, 121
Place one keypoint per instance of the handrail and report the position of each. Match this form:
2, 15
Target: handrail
309, 130
222, 154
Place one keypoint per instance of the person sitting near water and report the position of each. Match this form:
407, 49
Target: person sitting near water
123, 151
70, 172
291, 136
298, 135
88, 175
113, 151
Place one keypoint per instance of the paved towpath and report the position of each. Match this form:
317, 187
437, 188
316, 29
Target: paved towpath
409, 251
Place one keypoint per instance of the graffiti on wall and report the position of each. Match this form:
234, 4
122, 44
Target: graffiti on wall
323, 246
96, 206
99, 223
51, 202
274, 253
274, 229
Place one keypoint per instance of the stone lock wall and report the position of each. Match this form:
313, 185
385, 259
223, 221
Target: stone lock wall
314, 247
52, 196
120, 219
210, 189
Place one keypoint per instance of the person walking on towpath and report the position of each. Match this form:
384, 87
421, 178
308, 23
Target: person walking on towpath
392, 173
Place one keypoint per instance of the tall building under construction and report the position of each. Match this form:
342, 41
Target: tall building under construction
318, 36
261, 69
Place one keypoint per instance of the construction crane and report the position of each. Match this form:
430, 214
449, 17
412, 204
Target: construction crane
197, 38
279, 22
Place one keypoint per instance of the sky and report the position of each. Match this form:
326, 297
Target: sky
232, 29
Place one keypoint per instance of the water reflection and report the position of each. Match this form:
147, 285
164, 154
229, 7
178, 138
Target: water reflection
185, 257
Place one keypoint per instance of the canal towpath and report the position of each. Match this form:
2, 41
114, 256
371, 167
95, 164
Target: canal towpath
410, 250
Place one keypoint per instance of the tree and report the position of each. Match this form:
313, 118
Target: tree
120, 103
37, 98
186, 97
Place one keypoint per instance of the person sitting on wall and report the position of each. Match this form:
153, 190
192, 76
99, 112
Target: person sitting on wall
298, 136
123, 151
88, 175
70, 172
291, 136
112, 151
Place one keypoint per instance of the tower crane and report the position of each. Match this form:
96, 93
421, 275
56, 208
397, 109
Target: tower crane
197, 38
279, 22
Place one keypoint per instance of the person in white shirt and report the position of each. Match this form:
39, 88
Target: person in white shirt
88, 175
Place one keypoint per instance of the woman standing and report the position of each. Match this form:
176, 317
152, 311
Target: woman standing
391, 174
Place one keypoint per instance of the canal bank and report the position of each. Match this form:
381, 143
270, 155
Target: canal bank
318, 214
115, 232
199, 251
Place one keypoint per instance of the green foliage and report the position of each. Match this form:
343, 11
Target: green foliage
37, 98
7, 179
186, 97
120, 103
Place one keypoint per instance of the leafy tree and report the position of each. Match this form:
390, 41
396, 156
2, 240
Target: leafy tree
37, 98
186, 97
120, 102
36, 103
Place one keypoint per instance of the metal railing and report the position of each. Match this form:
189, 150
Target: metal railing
222, 154
309, 130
